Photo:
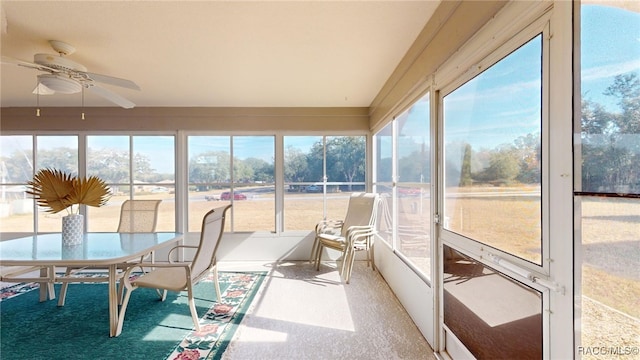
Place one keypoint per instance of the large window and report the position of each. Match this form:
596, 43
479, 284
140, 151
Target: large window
134, 167
59, 152
607, 166
235, 169
414, 179
403, 152
18, 156
383, 181
493, 155
320, 172
254, 177
303, 182
16, 168
494, 203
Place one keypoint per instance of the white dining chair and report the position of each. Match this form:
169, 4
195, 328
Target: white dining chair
354, 233
181, 276
136, 216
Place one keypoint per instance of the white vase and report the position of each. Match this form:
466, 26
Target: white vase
72, 251
72, 229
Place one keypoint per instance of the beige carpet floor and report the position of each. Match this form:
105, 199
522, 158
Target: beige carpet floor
301, 313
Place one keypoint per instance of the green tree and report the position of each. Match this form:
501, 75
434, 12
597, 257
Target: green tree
610, 144
17, 168
210, 167
262, 170
453, 164
296, 168
626, 88
416, 165
465, 171
61, 158
504, 166
346, 158
529, 151
142, 169
242, 172
315, 161
110, 165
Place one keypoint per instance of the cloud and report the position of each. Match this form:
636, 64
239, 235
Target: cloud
610, 70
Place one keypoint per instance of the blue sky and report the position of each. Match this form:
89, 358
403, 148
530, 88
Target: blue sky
503, 102
500, 104
261, 147
610, 46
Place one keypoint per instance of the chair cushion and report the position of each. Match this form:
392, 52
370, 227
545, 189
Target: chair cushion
332, 241
172, 278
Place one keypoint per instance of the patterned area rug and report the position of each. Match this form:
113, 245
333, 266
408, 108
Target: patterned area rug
217, 325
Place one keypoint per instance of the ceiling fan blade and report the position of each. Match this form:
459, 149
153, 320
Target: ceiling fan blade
30, 65
111, 96
41, 89
105, 79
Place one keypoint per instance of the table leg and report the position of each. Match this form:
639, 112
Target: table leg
43, 285
113, 301
46, 288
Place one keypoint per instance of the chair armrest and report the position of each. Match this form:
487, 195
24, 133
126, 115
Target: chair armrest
357, 228
362, 232
357, 235
325, 225
179, 247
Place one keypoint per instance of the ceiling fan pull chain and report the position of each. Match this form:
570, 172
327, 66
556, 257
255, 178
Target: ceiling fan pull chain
38, 98
83, 103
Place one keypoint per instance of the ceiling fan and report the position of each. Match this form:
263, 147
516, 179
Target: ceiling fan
64, 76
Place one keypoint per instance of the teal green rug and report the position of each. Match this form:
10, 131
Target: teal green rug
152, 329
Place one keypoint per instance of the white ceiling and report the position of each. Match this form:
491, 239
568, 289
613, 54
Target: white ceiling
216, 53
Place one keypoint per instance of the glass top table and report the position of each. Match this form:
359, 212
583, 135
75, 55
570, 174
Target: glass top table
97, 249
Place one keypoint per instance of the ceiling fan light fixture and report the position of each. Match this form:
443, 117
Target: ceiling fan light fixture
42, 90
60, 84
65, 76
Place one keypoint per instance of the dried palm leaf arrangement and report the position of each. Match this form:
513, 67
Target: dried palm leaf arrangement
56, 190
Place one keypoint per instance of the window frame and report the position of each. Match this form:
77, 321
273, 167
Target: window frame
181, 165
82, 159
394, 184
474, 68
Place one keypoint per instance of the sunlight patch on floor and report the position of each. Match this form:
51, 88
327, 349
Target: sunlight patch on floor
255, 335
331, 311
